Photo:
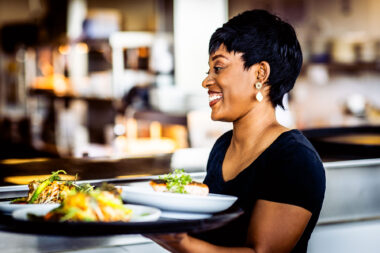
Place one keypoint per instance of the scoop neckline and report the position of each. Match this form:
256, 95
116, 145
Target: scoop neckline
220, 170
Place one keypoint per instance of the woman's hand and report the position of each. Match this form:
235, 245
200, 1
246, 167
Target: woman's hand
182, 242
174, 242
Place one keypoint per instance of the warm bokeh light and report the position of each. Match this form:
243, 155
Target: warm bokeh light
64, 49
131, 128
22, 161
133, 176
82, 48
155, 130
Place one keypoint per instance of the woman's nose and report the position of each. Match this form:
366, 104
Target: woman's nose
207, 81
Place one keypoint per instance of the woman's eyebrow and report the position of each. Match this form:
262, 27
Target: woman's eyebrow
218, 56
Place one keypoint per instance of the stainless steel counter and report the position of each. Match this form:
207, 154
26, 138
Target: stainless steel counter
352, 191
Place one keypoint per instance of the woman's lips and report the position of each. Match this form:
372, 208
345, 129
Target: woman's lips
214, 98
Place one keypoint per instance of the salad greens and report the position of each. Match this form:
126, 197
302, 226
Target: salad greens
45, 189
176, 181
54, 177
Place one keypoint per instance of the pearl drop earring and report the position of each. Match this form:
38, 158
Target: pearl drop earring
259, 96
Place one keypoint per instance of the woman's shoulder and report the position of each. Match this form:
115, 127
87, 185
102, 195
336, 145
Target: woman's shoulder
293, 142
295, 167
294, 154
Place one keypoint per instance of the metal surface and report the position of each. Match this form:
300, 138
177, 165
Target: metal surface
21, 243
352, 191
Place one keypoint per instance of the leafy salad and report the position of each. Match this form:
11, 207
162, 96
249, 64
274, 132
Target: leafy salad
51, 190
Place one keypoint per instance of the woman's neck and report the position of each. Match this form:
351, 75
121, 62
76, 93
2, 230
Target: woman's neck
258, 125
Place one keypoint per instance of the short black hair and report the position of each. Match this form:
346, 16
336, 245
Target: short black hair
262, 36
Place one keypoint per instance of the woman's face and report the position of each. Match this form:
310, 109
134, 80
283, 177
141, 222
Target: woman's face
230, 87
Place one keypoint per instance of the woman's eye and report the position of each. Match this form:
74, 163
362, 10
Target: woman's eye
217, 69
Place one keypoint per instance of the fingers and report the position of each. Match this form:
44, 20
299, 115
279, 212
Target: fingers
170, 242
166, 238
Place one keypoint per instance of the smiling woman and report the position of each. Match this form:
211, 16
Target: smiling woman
275, 172
228, 86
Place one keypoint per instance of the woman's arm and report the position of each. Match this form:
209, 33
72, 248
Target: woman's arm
274, 227
188, 244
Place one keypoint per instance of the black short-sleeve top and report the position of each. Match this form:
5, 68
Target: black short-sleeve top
289, 171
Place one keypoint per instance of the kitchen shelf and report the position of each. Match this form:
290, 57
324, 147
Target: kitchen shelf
348, 68
67, 96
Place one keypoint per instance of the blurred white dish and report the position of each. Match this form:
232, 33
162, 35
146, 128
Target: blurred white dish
7, 207
211, 203
139, 213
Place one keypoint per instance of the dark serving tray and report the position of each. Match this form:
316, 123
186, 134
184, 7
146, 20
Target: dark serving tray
163, 225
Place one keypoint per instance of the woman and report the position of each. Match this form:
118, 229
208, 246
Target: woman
274, 171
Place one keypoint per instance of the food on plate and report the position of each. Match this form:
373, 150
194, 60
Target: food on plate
51, 190
104, 204
179, 182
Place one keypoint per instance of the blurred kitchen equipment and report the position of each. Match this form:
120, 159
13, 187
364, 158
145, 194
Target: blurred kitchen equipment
203, 132
101, 23
368, 50
190, 159
72, 136
343, 49
355, 104
137, 98
124, 79
354, 47
127, 141
373, 114
78, 64
170, 99
162, 58
318, 73
346, 142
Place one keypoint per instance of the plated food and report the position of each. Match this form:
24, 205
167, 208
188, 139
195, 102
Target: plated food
99, 205
177, 192
78, 203
179, 182
36, 213
51, 190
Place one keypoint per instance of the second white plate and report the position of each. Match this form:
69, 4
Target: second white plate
211, 203
7, 207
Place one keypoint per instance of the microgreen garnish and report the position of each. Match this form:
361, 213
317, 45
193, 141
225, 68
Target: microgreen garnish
176, 181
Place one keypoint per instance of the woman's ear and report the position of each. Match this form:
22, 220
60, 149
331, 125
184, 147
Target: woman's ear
263, 72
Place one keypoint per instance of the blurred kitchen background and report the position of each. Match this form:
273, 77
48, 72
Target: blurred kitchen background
112, 89
123, 78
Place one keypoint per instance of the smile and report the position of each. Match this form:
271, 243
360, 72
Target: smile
214, 98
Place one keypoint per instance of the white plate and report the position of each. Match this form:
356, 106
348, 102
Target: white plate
185, 216
145, 195
7, 207
139, 213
